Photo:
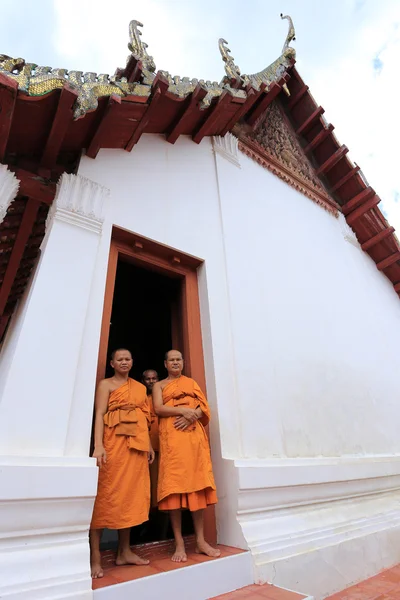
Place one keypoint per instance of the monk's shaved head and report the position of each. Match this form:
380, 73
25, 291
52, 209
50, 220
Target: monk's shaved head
114, 352
169, 352
149, 378
149, 372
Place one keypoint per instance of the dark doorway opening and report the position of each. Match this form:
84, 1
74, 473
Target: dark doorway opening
146, 319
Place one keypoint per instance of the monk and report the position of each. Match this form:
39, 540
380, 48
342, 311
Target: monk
123, 452
185, 476
149, 378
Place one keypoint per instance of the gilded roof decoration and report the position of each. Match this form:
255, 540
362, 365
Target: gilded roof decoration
37, 80
89, 87
268, 75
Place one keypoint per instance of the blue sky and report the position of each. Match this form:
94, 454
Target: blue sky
347, 53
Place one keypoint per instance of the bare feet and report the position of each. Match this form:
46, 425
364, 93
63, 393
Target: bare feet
95, 568
127, 557
204, 548
179, 555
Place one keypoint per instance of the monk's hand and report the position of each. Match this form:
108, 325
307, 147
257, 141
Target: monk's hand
189, 413
151, 455
182, 423
100, 455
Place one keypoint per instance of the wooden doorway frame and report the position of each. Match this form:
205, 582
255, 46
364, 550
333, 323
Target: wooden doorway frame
146, 253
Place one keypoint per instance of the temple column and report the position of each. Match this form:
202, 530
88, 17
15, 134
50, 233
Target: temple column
47, 490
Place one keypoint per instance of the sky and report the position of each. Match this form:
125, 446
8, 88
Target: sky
347, 53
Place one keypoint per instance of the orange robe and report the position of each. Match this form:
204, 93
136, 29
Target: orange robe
156, 447
185, 476
154, 425
123, 493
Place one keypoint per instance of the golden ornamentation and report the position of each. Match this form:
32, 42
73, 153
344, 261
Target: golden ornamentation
232, 70
184, 86
37, 80
272, 73
139, 51
274, 144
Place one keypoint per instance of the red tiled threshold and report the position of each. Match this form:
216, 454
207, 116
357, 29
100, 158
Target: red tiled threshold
159, 555
385, 586
261, 592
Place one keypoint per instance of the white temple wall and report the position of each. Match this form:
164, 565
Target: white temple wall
312, 324
299, 333
316, 325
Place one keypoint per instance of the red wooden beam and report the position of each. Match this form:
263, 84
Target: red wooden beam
297, 97
63, 118
361, 210
34, 186
8, 97
132, 71
377, 238
160, 87
397, 287
269, 96
386, 262
358, 199
24, 231
197, 96
252, 97
319, 138
333, 160
309, 122
213, 117
345, 178
96, 141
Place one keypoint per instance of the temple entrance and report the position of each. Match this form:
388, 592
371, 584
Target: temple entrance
145, 318
151, 305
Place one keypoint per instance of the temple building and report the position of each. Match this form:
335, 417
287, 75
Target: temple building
225, 219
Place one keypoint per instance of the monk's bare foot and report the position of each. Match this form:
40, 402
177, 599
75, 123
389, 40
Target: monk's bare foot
204, 548
179, 555
96, 570
127, 557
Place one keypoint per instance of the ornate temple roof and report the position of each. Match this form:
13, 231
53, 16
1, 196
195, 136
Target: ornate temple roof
48, 117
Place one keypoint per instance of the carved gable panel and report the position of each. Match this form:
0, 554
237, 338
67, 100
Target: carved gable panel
274, 144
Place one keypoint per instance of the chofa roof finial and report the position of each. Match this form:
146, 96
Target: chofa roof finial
139, 48
291, 33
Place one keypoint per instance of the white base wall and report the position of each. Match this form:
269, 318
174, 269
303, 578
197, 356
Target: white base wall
45, 510
320, 525
195, 582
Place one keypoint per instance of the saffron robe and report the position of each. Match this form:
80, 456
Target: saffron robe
154, 425
156, 447
123, 492
185, 477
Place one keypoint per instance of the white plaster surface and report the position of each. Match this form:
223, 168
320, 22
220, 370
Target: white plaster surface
46, 496
299, 359
300, 335
195, 582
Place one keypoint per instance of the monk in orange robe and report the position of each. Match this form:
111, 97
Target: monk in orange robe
149, 378
123, 452
185, 477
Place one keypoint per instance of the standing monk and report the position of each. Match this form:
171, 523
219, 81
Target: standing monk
149, 378
185, 478
123, 450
